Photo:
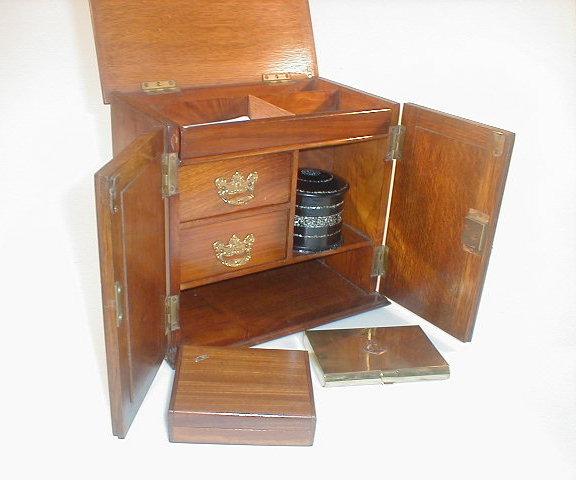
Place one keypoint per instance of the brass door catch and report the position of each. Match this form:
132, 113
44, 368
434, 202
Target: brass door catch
475, 230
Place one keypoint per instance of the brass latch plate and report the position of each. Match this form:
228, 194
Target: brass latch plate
475, 229
161, 87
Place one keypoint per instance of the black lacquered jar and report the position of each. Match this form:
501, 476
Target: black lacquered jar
319, 204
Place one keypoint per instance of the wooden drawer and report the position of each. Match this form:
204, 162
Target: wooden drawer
227, 186
209, 249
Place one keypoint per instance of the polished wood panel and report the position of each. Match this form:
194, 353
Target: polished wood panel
255, 308
363, 166
450, 165
198, 259
199, 194
242, 396
302, 103
222, 138
135, 345
206, 111
200, 42
351, 240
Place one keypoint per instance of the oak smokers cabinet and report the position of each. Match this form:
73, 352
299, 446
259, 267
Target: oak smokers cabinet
195, 217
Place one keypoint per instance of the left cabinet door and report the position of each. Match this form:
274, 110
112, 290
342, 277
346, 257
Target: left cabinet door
131, 234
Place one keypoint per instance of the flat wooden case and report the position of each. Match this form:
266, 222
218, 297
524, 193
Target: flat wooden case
242, 396
195, 216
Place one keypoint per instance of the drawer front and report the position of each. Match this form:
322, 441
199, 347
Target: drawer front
228, 186
212, 249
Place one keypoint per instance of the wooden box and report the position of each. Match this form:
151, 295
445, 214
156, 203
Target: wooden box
195, 218
242, 396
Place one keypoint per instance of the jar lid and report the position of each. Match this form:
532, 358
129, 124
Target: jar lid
316, 182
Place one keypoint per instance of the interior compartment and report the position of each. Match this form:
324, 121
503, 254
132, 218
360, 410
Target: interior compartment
201, 106
219, 110
255, 308
302, 290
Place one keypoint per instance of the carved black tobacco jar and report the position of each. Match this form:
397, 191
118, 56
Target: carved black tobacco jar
319, 205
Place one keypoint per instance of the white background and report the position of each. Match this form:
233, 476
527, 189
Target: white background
509, 409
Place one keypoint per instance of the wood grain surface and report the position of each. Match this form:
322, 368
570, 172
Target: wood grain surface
132, 253
199, 195
450, 165
242, 396
200, 42
198, 259
255, 308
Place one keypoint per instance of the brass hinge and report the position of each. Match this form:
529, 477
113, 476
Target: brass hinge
113, 193
160, 88
499, 140
395, 142
170, 162
280, 77
119, 302
172, 313
380, 261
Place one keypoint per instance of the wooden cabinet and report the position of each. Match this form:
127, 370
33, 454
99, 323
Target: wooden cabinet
215, 106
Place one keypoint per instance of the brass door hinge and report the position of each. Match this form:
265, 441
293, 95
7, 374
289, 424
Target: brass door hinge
172, 313
499, 141
119, 302
380, 261
113, 193
160, 88
170, 162
395, 142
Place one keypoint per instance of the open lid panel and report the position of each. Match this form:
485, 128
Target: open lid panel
200, 42
447, 192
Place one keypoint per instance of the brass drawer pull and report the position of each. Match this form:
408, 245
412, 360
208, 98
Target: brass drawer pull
237, 190
237, 252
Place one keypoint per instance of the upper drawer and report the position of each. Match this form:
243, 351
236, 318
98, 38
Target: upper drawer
226, 186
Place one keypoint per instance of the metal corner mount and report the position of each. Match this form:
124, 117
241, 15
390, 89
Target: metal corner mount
396, 135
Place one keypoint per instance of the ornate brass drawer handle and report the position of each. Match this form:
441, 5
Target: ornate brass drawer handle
237, 252
237, 190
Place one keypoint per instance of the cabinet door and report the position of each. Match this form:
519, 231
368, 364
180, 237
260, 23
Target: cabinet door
130, 211
447, 192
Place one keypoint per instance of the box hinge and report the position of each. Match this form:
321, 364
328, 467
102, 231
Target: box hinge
170, 163
380, 261
280, 77
113, 193
172, 313
119, 302
160, 88
395, 142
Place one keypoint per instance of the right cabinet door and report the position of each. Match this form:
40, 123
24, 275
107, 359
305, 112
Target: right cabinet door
447, 192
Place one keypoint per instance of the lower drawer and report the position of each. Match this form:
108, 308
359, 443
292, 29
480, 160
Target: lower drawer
212, 249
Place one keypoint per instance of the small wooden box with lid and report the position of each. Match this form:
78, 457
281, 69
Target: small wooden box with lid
215, 106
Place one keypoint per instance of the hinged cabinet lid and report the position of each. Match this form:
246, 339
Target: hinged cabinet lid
200, 42
447, 192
